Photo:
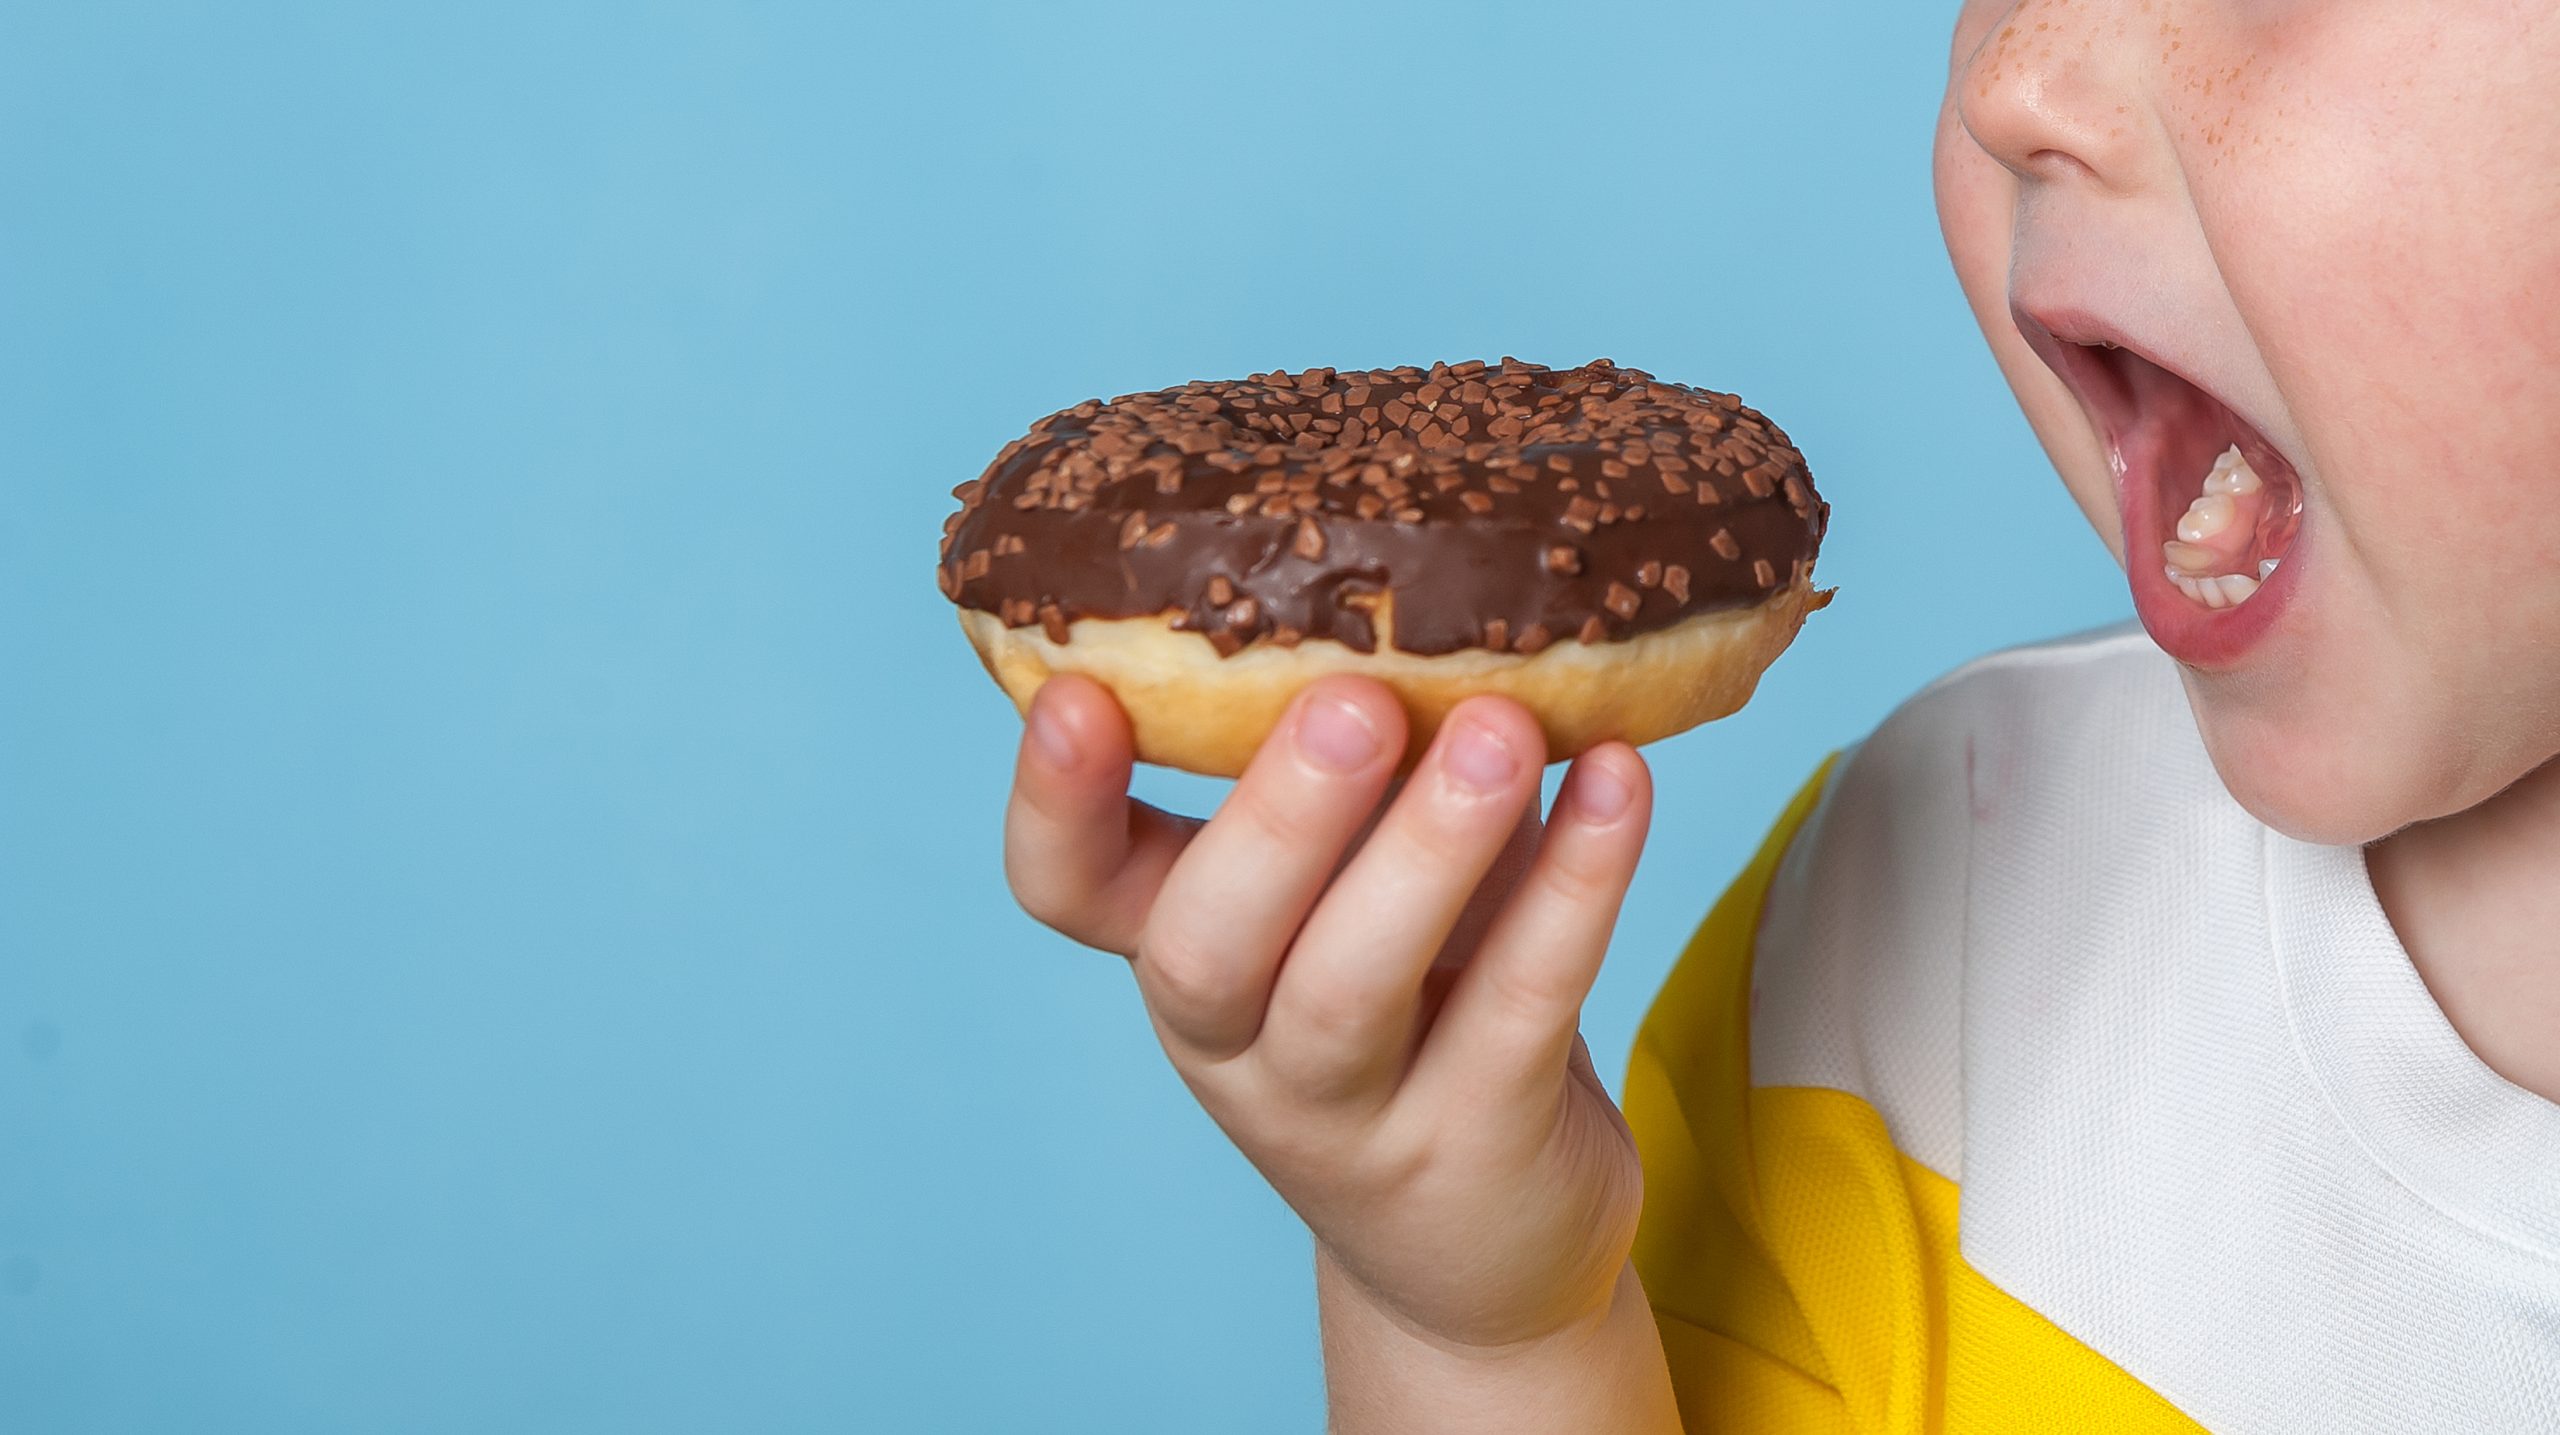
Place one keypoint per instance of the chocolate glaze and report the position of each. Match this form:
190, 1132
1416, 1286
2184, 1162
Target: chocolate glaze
1504, 507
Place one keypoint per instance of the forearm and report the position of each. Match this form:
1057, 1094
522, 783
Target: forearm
1606, 1376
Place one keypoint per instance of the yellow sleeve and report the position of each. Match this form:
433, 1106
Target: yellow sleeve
1804, 1273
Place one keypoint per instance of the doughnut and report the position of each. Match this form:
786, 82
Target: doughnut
1622, 555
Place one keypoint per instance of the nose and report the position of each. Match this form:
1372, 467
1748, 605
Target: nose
2052, 92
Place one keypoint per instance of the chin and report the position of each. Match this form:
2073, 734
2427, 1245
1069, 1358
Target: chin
2341, 769
2305, 783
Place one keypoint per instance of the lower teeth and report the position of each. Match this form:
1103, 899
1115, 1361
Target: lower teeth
2227, 590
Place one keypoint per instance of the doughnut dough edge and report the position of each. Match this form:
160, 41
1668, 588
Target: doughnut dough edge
1191, 709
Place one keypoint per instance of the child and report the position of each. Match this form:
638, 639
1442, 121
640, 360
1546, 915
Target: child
2203, 967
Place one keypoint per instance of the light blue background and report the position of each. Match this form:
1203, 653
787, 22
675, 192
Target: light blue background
500, 927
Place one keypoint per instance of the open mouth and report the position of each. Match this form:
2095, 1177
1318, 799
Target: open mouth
2209, 505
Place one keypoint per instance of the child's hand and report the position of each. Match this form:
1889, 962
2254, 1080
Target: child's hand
1389, 1035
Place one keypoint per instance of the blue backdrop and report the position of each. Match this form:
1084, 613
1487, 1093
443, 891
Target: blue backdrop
500, 925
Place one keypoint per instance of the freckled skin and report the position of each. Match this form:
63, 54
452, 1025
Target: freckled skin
2349, 205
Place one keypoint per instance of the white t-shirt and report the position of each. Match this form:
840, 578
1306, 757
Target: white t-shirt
2203, 1114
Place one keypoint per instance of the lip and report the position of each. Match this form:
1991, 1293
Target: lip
2206, 639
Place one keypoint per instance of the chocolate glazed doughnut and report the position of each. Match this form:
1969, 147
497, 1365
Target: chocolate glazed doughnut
1621, 554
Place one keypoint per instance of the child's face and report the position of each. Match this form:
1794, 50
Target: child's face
2337, 224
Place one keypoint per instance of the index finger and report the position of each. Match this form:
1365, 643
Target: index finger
1081, 856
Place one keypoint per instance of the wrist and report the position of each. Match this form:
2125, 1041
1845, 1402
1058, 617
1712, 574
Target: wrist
1601, 1371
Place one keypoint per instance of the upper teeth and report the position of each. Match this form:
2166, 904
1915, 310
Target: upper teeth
2232, 474
2208, 517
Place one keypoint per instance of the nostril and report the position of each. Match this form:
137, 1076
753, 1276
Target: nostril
2058, 164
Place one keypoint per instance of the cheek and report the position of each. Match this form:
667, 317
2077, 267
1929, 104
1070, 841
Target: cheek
2394, 237
2387, 222
2374, 182
2425, 367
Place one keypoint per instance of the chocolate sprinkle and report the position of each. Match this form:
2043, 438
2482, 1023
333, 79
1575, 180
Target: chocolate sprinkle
1492, 501
1310, 542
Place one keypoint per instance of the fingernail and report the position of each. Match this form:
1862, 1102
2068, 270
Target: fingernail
1480, 759
1057, 746
1599, 795
1337, 735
